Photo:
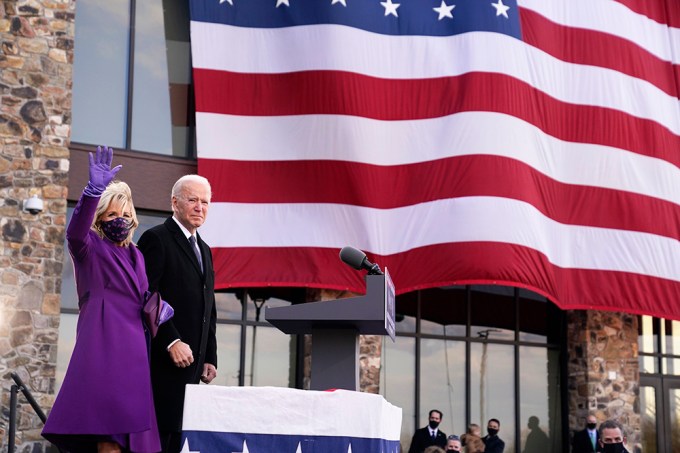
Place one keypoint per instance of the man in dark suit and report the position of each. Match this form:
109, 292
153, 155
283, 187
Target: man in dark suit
493, 443
586, 440
429, 435
179, 266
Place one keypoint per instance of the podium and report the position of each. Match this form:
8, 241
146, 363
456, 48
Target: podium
335, 326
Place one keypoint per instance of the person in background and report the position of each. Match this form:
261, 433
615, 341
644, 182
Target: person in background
586, 440
612, 437
493, 443
179, 266
472, 439
429, 435
105, 403
453, 443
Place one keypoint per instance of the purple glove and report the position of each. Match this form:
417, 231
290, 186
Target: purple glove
101, 173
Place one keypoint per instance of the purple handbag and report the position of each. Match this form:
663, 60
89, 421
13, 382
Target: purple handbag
155, 312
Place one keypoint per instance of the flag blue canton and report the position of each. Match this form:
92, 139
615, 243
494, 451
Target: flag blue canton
404, 17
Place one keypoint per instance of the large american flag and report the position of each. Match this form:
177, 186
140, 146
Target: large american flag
532, 143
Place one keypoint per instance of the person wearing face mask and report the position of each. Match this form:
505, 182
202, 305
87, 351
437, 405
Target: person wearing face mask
493, 443
429, 435
586, 440
612, 437
453, 444
105, 403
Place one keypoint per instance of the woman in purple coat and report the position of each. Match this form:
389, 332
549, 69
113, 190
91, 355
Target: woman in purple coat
105, 403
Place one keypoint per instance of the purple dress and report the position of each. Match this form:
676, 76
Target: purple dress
106, 394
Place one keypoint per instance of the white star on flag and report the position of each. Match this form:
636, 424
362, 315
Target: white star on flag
282, 2
349, 449
501, 9
299, 448
342, 2
231, 2
185, 447
390, 8
244, 449
444, 10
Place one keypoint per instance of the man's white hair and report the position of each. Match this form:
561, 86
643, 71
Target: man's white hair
181, 182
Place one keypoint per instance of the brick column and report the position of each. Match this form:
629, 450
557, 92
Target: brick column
603, 370
36, 55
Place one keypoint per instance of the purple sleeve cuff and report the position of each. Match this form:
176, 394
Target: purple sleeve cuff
92, 191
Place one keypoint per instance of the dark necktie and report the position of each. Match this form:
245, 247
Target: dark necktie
434, 436
194, 247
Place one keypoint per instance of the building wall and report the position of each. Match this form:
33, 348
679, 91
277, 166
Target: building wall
36, 56
603, 369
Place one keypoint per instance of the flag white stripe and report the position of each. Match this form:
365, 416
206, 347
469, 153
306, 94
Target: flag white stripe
640, 30
469, 219
333, 47
369, 141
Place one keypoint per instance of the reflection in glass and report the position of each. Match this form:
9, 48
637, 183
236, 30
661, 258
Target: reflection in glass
648, 419
257, 305
535, 316
228, 306
672, 337
151, 125
270, 357
397, 382
65, 345
442, 383
493, 310
648, 363
674, 412
539, 397
492, 393
100, 68
646, 335
444, 311
228, 354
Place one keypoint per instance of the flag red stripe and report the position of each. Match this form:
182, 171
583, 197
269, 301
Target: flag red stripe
374, 186
661, 11
334, 92
581, 46
451, 264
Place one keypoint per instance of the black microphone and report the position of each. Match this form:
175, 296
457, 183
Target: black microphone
357, 259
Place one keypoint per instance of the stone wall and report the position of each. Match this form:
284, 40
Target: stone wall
370, 347
36, 55
603, 369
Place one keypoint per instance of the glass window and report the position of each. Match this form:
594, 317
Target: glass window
270, 357
228, 306
100, 72
397, 382
493, 312
674, 412
158, 101
444, 311
535, 316
151, 127
648, 419
540, 409
228, 354
442, 383
492, 389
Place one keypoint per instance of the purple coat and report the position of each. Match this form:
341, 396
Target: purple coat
106, 393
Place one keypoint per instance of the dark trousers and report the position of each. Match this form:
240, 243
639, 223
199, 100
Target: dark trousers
171, 441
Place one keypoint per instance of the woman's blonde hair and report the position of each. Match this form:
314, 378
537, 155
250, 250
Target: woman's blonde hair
120, 192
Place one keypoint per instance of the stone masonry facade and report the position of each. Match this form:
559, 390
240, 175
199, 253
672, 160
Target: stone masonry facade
36, 64
603, 370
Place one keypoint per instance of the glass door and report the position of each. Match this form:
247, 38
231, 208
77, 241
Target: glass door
660, 414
